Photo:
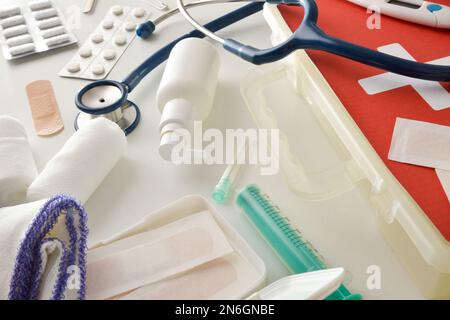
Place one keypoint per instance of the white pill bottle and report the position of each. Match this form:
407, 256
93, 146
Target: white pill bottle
187, 89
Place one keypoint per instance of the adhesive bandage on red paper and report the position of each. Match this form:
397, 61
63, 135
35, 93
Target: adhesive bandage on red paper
44, 108
421, 143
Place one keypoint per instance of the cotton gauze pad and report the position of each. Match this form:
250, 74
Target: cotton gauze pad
421, 143
17, 166
83, 162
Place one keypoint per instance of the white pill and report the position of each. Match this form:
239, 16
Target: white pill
73, 67
40, 4
97, 38
53, 41
117, 10
129, 26
22, 49
85, 52
48, 33
108, 24
17, 41
139, 12
109, 54
45, 14
9, 11
15, 31
98, 69
12, 21
120, 40
49, 23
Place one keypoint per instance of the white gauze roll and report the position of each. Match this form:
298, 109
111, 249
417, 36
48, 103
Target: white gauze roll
17, 166
83, 162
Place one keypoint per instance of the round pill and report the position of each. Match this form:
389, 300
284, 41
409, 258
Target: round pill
129, 26
120, 40
97, 38
98, 69
108, 24
73, 67
109, 54
85, 52
139, 12
117, 10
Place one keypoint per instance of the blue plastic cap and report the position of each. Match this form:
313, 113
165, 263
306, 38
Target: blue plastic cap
434, 7
145, 30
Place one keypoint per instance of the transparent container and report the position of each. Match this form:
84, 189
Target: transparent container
190, 205
335, 156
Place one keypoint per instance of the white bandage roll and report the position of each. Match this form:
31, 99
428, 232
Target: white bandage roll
83, 162
17, 166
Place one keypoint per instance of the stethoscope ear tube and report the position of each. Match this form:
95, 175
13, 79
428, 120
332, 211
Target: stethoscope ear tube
309, 36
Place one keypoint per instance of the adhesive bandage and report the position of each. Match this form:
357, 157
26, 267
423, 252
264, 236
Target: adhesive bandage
421, 143
154, 255
44, 108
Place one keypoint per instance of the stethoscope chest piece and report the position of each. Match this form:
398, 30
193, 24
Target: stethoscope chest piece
107, 99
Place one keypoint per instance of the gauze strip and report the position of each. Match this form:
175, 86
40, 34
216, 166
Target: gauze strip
148, 257
421, 143
17, 166
44, 108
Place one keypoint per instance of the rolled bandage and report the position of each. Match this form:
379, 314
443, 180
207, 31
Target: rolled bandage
83, 162
17, 166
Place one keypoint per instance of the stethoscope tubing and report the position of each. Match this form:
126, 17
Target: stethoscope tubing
162, 54
137, 75
307, 36
310, 36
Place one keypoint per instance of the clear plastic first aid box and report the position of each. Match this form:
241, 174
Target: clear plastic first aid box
347, 158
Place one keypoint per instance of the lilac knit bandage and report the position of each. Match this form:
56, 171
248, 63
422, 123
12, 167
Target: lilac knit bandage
26, 279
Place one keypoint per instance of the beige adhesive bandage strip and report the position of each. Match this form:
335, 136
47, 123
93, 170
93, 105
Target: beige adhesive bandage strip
44, 108
154, 255
230, 277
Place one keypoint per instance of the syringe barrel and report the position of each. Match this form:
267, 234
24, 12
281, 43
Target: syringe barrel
294, 251
287, 242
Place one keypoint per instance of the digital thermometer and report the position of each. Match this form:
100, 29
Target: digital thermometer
416, 11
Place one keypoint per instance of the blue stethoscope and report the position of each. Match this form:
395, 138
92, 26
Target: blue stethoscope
108, 98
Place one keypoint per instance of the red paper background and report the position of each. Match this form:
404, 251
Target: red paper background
376, 114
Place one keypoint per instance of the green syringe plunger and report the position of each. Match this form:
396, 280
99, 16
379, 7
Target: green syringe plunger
297, 253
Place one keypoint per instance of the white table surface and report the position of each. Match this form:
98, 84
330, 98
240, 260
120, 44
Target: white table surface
142, 182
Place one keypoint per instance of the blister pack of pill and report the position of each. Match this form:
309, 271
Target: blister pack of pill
31, 27
106, 44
